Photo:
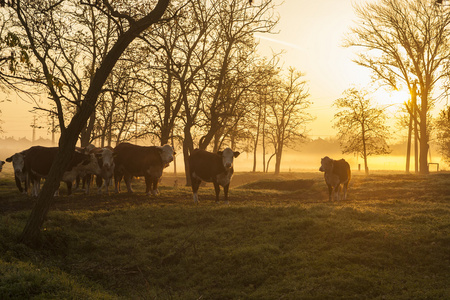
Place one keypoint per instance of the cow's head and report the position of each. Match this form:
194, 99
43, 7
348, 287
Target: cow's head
167, 154
107, 158
18, 162
227, 157
1, 165
90, 164
327, 164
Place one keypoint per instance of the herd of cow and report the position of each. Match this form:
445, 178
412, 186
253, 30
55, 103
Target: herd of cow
126, 161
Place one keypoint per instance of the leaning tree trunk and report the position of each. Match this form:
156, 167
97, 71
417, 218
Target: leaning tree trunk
69, 135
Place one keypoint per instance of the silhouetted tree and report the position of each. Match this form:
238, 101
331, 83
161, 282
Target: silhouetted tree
40, 27
287, 114
361, 126
443, 133
405, 41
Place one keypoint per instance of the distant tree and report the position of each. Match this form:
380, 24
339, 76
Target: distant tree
404, 41
443, 133
361, 126
287, 114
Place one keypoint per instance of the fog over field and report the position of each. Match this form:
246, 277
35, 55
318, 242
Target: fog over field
304, 157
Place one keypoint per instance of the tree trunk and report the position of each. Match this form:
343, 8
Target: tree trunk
423, 159
188, 147
408, 146
69, 135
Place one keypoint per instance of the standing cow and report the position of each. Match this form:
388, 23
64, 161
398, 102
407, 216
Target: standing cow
1, 165
105, 160
211, 167
38, 161
147, 161
20, 175
337, 173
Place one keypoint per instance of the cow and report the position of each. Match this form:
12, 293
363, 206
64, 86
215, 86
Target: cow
38, 161
105, 160
211, 167
20, 175
147, 161
336, 173
1, 165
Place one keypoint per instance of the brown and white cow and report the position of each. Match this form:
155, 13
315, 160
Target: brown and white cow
212, 167
105, 160
337, 173
147, 161
1, 165
38, 161
20, 175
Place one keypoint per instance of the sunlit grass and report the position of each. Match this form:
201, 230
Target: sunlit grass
390, 240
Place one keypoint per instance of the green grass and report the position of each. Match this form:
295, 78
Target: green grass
389, 240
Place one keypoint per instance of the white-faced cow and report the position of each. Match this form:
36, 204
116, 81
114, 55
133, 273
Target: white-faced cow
1, 165
147, 161
337, 173
20, 175
38, 161
212, 167
105, 160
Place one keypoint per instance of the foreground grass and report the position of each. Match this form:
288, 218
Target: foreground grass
390, 240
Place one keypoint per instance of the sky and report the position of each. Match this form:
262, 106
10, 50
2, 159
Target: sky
310, 33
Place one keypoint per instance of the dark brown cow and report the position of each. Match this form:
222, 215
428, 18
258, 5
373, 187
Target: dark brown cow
211, 167
1, 165
38, 161
337, 173
147, 161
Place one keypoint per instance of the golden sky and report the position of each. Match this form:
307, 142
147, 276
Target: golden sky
310, 33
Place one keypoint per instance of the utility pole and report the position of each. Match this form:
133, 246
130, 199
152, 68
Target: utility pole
34, 130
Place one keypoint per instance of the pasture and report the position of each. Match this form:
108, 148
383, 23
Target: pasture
279, 238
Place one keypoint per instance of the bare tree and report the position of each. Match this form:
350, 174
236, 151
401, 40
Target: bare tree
405, 41
443, 133
287, 114
52, 56
361, 126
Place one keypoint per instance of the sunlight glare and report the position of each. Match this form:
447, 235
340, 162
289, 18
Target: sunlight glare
391, 99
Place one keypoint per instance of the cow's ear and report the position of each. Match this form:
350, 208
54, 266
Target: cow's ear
219, 153
236, 154
9, 159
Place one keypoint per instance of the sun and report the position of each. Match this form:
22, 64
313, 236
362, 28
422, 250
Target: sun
391, 99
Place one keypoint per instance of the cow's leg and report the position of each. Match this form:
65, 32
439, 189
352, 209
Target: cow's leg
148, 184
217, 189
127, 178
225, 191
155, 181
195, 183
18, 183
98, 183
69, 187
87, 179
345, 190
337, 191
117, 178
77, 183
330, 190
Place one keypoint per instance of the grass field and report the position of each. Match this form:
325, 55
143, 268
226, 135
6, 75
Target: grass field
279, 238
